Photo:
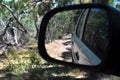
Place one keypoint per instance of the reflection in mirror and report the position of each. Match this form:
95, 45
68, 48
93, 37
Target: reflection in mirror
78, 36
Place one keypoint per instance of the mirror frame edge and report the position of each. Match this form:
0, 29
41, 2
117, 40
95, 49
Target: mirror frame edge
43, 26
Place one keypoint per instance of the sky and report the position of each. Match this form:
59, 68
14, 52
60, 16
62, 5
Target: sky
116, 2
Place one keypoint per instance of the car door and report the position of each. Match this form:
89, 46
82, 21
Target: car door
96, 35
90, 38
77, 35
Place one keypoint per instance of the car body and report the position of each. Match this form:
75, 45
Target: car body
91, 37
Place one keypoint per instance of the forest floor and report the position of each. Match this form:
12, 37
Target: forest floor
60, 50
25, 63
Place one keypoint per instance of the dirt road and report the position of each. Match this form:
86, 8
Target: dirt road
60, 49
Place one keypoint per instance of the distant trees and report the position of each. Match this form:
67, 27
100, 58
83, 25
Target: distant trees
60, 25
27, 15
64, 22
97, 1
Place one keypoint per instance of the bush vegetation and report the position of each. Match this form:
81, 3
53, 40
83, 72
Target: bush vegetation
25, 63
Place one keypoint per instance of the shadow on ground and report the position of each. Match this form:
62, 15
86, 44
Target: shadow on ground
46, 73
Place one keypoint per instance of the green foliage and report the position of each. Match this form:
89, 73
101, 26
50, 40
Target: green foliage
4, 14
22, 9
23, 61
28, 23
26, 64
60, 24
82, 1
27, 11
111, 2
63, 2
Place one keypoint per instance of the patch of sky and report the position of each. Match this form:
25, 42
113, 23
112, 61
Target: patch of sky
116, 2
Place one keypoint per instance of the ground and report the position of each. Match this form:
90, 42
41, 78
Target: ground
60, 49
26, 64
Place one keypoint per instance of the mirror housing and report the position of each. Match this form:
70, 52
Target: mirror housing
110, 64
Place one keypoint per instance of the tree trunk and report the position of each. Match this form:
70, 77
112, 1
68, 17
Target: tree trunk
21, 25
37, 25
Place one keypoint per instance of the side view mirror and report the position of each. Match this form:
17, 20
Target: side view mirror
82, 36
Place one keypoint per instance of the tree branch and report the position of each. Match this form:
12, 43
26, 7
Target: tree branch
10, 10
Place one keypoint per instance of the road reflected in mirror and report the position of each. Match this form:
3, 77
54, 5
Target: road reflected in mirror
78, 36
60, 49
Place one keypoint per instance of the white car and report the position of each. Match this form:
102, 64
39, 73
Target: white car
91, 37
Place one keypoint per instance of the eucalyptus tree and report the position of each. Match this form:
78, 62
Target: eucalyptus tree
22, 15
12, 24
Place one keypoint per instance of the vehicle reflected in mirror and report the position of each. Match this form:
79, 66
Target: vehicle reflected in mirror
78, 36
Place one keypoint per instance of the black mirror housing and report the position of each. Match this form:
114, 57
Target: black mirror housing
110, 63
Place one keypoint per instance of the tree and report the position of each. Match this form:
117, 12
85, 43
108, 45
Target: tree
60, 24
25, 8
82, 1
63, 2
12, 20
23, 15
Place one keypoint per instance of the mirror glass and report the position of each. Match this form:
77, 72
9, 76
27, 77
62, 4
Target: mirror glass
78, 36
